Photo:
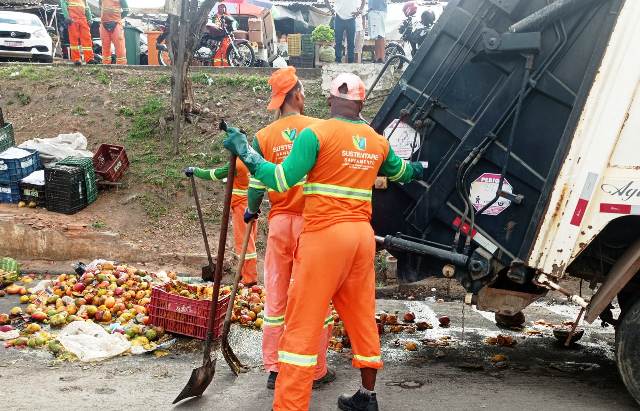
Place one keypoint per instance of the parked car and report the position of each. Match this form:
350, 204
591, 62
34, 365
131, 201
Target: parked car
23, 36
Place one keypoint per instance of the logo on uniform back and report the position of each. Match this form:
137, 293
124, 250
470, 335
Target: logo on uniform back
360, 143
290, 134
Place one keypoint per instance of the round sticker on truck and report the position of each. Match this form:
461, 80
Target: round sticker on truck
483, 191
404, 141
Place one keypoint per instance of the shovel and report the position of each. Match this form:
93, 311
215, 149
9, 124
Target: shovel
201, 377
231, 358
207, 271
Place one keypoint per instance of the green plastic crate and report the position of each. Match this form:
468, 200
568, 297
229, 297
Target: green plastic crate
86, 164
7, 138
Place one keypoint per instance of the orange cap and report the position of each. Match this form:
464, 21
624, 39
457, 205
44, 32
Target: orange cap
281, 82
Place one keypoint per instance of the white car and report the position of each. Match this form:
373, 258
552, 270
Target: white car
23, 36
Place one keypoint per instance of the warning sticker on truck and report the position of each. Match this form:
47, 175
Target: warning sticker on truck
404, 140
483, 191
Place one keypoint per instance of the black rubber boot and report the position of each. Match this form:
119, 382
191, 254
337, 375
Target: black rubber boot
329, 377
358, 402
271, 381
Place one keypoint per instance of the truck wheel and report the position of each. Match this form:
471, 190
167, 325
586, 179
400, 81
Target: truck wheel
628, 351
510, 321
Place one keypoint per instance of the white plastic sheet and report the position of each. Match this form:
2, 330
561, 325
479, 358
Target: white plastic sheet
90, 342
58, 148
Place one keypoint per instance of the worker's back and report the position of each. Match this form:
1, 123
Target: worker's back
275, 142
338, 188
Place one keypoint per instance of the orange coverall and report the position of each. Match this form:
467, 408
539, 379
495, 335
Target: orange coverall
238, 205
79, 32
285, 226
112, 13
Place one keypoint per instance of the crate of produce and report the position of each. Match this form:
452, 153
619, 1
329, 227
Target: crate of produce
308, 47
65, 189
9, 271
294, 45
110, 162
32, 189
183, 315
17, 163
9, 193
7, 138
302, 62
86, 164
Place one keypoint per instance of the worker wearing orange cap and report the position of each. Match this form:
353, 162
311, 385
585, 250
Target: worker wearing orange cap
238, 206
285, 220
341, 158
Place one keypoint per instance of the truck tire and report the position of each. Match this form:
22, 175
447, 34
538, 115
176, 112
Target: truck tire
628, 350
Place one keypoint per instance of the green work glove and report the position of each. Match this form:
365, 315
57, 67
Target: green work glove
418, 170
237, 143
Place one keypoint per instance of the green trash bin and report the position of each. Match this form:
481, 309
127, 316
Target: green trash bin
132, 43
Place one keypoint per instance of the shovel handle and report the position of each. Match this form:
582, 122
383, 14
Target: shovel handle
204, 231
236, 280
222, 241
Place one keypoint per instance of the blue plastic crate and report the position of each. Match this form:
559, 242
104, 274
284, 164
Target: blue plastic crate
9, 193
13, 170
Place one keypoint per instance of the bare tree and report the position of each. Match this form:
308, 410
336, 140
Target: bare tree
185, 31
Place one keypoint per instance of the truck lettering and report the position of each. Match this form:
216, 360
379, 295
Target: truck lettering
625, 192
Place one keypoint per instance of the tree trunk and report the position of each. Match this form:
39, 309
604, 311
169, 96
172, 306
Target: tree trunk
185, 32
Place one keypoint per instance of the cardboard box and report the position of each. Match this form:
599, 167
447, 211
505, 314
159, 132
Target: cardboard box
255, 24
256, 36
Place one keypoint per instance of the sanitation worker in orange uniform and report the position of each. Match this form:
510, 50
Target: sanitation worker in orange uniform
274, 143
112, 29
78, 16
341, 158
238, 206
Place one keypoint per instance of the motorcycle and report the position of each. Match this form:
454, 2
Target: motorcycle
239, 52
410, 33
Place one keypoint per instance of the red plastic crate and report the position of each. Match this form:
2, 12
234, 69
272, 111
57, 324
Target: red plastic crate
185, 316
110, 162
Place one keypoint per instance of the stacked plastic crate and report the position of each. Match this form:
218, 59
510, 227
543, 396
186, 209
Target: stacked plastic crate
301, 50
15, 164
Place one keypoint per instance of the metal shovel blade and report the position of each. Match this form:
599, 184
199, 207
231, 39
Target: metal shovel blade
200, 379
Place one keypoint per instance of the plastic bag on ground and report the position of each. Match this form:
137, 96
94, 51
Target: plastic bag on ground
90, 342
58, 148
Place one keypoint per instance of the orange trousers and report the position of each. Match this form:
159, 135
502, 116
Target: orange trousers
250, 268
284, 230
80, 40
334, 263
115, 37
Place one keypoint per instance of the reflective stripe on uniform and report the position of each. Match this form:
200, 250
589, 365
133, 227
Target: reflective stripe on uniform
239, 192
374, 359
399, 174
273, 321
281, 180
328, 321
74, 4
251, 256
212, 174
87, 48
257, 184
331, 190
300, 360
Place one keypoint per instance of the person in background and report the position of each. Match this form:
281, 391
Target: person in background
238, 206
346, 12
359, 38
112, 29
377, 30
77, 17
274, 142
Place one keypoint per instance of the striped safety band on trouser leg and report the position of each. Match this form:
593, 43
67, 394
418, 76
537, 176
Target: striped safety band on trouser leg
331, 190
239, 192
301, 360
361, 361
273, 321
250, 256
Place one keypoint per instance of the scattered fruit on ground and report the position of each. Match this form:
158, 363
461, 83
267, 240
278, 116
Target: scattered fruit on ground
409, 317
410, 346
444, 321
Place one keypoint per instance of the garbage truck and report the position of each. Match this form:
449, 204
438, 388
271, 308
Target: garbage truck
527, 113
